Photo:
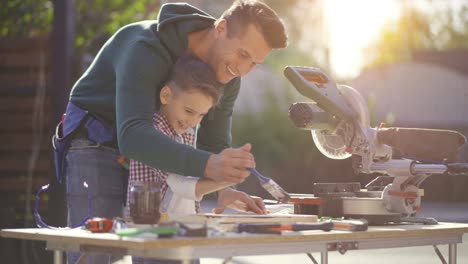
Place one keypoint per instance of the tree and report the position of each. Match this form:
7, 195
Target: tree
25, 18
97, 20
418, 30
453, 29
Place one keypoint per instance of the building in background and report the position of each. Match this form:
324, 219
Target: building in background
430, 92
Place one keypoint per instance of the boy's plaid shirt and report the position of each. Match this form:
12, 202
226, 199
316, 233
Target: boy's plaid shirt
142, 172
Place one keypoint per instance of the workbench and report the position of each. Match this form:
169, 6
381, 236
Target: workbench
232, 244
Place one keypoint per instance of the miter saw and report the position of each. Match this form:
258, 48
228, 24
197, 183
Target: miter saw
339, 122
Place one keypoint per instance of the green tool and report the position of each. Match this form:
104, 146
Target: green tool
162, 231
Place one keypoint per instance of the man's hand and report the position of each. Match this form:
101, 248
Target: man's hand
239, 201
230, 165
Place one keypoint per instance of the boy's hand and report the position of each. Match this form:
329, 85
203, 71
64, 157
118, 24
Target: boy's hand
239, 201
230, 165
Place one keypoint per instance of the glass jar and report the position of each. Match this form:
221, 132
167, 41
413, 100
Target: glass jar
144, 201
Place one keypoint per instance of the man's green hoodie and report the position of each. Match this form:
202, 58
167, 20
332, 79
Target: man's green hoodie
122, 85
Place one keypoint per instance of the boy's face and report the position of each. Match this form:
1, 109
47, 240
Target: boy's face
184, 109
236, 56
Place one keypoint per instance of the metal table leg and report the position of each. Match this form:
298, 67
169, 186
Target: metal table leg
58, 257
82, 258
311, 257
324, 257
452, 253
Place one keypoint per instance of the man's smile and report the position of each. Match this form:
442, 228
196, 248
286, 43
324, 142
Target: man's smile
231, 71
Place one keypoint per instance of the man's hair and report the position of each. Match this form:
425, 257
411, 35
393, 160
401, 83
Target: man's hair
192, 74
243, 13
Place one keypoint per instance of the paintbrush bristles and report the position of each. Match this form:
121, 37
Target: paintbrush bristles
276, 191
271, 187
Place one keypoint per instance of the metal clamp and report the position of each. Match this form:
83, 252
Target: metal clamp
343, 246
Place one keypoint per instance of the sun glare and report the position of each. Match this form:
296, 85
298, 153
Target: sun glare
352, 25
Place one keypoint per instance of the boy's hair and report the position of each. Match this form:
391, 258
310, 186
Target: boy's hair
190, 73
243, 13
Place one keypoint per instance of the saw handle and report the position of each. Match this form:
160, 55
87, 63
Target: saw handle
425, 145
457, 168
314, 84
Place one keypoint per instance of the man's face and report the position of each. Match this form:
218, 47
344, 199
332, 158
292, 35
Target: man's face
236, 56
184, 109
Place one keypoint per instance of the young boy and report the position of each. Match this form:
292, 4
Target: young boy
185, 99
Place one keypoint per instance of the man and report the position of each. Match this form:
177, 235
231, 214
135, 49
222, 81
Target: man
112, 104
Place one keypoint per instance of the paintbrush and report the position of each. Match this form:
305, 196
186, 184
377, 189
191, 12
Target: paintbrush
271, 187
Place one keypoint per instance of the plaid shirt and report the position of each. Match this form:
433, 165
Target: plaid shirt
142, 172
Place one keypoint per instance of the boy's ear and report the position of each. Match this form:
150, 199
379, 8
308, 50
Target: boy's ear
165, 95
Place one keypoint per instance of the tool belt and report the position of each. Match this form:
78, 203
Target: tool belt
78, 123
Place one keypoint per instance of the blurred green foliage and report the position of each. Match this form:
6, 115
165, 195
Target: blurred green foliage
276, 144
269, 130
96, 20
278, 59
420, 30
24, 18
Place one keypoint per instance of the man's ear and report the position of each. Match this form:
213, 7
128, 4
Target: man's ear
221, 28
165, 95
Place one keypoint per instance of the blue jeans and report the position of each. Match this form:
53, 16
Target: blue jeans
107, 181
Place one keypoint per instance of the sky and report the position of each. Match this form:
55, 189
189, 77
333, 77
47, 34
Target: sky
352, 25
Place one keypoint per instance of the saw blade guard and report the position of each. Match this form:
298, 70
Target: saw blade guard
335, 144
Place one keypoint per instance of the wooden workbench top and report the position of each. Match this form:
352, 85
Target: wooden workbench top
112, 240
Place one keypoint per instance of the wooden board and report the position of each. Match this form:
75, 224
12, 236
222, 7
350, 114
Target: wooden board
244, 218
